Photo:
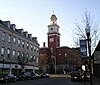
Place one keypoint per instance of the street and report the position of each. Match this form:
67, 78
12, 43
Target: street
47, 81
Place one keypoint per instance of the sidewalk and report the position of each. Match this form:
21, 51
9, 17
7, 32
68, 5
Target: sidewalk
96, 81
59, 75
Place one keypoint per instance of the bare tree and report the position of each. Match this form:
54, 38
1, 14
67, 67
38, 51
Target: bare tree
79, 30
23, 60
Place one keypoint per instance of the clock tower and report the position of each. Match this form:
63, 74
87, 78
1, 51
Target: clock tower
53, 34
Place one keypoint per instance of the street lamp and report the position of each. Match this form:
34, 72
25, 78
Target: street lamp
3, 65
54, 57
87, 30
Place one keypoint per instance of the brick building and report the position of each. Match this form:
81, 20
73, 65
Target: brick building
57, 59
96, 61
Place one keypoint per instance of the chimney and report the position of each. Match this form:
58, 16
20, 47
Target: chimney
7, 23
43, 44
13, 26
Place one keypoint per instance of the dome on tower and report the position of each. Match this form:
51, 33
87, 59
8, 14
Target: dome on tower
53, 17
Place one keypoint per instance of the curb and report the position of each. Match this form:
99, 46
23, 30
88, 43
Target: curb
58, 75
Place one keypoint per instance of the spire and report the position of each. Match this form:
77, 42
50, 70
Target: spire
53, 18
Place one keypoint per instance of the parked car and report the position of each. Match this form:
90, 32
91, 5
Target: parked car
24, 76
76, 76
8, 78
44, 75
35, 76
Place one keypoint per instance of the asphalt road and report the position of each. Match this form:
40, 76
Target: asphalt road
48, 81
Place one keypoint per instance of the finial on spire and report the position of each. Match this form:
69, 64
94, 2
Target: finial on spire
53, 11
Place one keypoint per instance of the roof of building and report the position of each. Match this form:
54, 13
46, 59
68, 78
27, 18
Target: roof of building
20, 32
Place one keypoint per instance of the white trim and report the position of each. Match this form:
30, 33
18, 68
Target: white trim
53, 34
19, 66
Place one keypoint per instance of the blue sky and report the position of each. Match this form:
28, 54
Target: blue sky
34, 16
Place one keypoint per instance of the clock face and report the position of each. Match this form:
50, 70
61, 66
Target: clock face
51, 29
51, 39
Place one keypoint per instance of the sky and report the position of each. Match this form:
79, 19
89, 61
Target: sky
34, 16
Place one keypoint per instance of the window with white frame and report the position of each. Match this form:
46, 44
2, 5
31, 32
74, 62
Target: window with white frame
34, 58
23, 43
14, 53
27, 45
22, 54
31, 57
31, 47
14, 40
8, 53
34, 49
37, 60
9, 38
18, 54
3, 36
19, 42
2, 51
37, 50
27, 56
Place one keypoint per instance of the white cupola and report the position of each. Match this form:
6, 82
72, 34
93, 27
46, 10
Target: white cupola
53, 27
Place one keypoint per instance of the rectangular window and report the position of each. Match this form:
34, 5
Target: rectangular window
14, 53
34, 49
36, 60
22, 54
9, 38
27, 56
3, 36
18, 54
2, 51
23, 44
31, 58
27, 46
14, 40
37, 50
8, 53
19, 42
31, 47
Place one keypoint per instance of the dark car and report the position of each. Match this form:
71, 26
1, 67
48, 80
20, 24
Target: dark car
24, 76
76, 76
44, 75
8, 78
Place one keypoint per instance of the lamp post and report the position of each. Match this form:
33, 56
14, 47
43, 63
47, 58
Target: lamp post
55, 64
3, 65
54, 57
89, 50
